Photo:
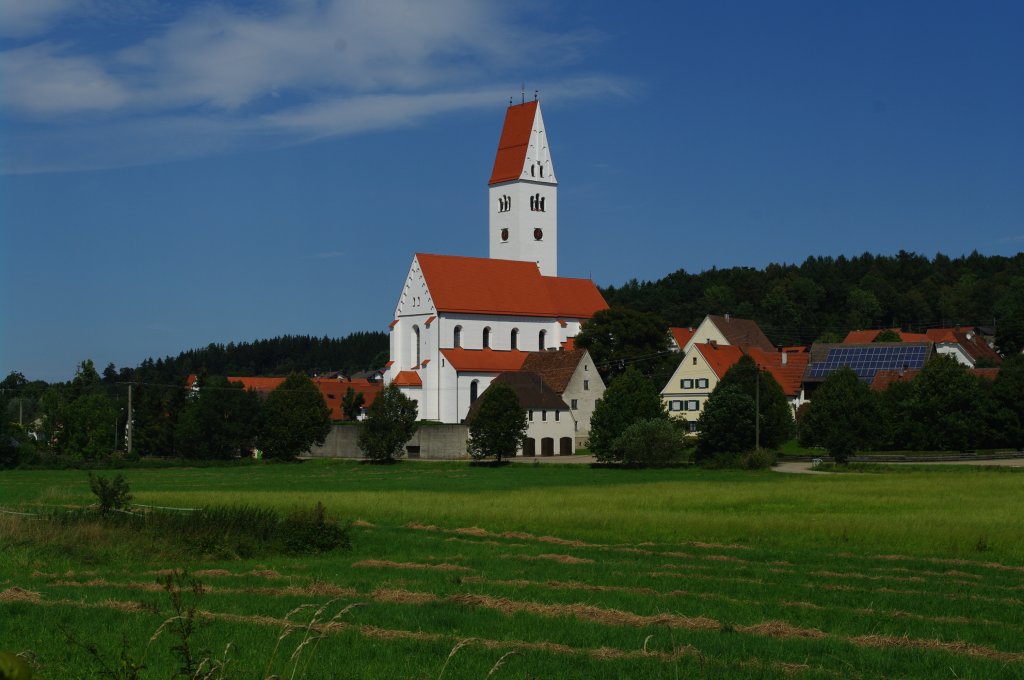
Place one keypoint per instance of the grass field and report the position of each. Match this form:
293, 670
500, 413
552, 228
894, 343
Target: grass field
555, 571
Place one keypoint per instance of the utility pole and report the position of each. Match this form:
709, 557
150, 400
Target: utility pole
757, 409
128, 438
21, 405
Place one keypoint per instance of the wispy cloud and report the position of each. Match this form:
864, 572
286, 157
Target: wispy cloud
20, 18
218, 76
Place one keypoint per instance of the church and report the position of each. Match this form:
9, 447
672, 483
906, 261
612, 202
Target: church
462, 321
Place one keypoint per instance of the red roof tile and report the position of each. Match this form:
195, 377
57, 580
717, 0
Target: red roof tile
479, 285
719, 357
393, 323
790, 375
682, 335
972, 343
863, 337
884, 378
484, 360
408, 379
515, 140
332, 390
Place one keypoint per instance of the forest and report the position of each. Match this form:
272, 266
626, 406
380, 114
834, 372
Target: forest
825, 297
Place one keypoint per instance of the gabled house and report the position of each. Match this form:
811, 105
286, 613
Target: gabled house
865, 359
550, 426
728, 330
967, 345
678, 337
572, 376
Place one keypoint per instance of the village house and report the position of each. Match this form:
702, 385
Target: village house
550, 425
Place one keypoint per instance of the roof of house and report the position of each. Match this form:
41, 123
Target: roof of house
883, 379
484, 360
479, 285
969, 339
864, 337
789, 375
742, 332
531, 391
681, 336
514, 142
331, 389
719, 357
556, 368
408, 379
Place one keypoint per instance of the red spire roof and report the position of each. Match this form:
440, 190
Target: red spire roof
515, 140
478, 285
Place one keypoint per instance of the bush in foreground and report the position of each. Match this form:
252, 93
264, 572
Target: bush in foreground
654, 441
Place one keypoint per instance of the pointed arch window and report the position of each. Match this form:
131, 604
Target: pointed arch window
542, 198
416, 342
487, 338
457, 337
515, 338
474, 388
541, 337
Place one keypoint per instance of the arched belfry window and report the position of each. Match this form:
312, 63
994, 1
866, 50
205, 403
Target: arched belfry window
474, 387
487, 338
541, 337
515, 338
542, 199
533, 170
416, 342
457, 337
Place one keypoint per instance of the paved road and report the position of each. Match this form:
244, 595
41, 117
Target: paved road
802, 467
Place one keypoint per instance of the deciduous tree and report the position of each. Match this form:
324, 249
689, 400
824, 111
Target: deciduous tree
630, 398
842, 417
293, 419
220, 421
498, 426
391, 422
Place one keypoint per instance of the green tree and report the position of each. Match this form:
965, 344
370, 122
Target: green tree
9, 455
842, 417
498, 426
863, 308
1008, 396
219, 421
629, 398
91, 426
391, 422
619, 337
1009, 311
293, 419
947, 406
649, 442
888, 335
776, 416
351, 403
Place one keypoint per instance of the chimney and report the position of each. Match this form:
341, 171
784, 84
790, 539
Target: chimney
785, 357
727, 316
713, 343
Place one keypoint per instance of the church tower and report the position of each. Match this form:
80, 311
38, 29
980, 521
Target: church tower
523, 192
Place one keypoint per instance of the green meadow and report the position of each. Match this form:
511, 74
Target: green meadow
536, 571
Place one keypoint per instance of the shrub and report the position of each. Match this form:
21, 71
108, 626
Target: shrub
310, 531
112, 495
760, 459
630, 398
654, 441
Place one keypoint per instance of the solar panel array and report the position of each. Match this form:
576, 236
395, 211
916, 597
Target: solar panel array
866, 361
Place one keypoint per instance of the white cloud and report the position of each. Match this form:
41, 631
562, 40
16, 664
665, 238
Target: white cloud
42, 79
20, 18
217, 77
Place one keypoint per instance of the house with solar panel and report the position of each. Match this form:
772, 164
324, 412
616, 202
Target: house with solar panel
967, 345
462, 321
866, 360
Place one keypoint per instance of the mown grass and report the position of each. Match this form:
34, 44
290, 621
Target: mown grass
581, 573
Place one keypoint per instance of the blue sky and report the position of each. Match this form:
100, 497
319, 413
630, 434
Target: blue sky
179, 173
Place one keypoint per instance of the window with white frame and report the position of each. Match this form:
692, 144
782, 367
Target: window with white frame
702, 383
692, 405
686, 384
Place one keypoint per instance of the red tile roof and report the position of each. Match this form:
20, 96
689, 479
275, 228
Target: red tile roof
719, 357
968, 339
682, 335
556, 368
479, 285
515, 140
883, 379
863, 337
332, 390
408, 379
790, 375
484, 360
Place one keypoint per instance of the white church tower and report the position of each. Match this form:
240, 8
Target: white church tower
523, 192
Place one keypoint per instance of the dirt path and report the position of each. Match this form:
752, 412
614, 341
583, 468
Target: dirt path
803, 467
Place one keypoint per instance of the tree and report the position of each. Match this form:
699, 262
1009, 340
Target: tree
727, 424
352, 403
649, 442
91, 424
947, 406
498, 426
630, 398
293, 418
1010, 314
220, 421
888, 335
842, 417
1006, 393
618, 337
390, 424
9, 455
